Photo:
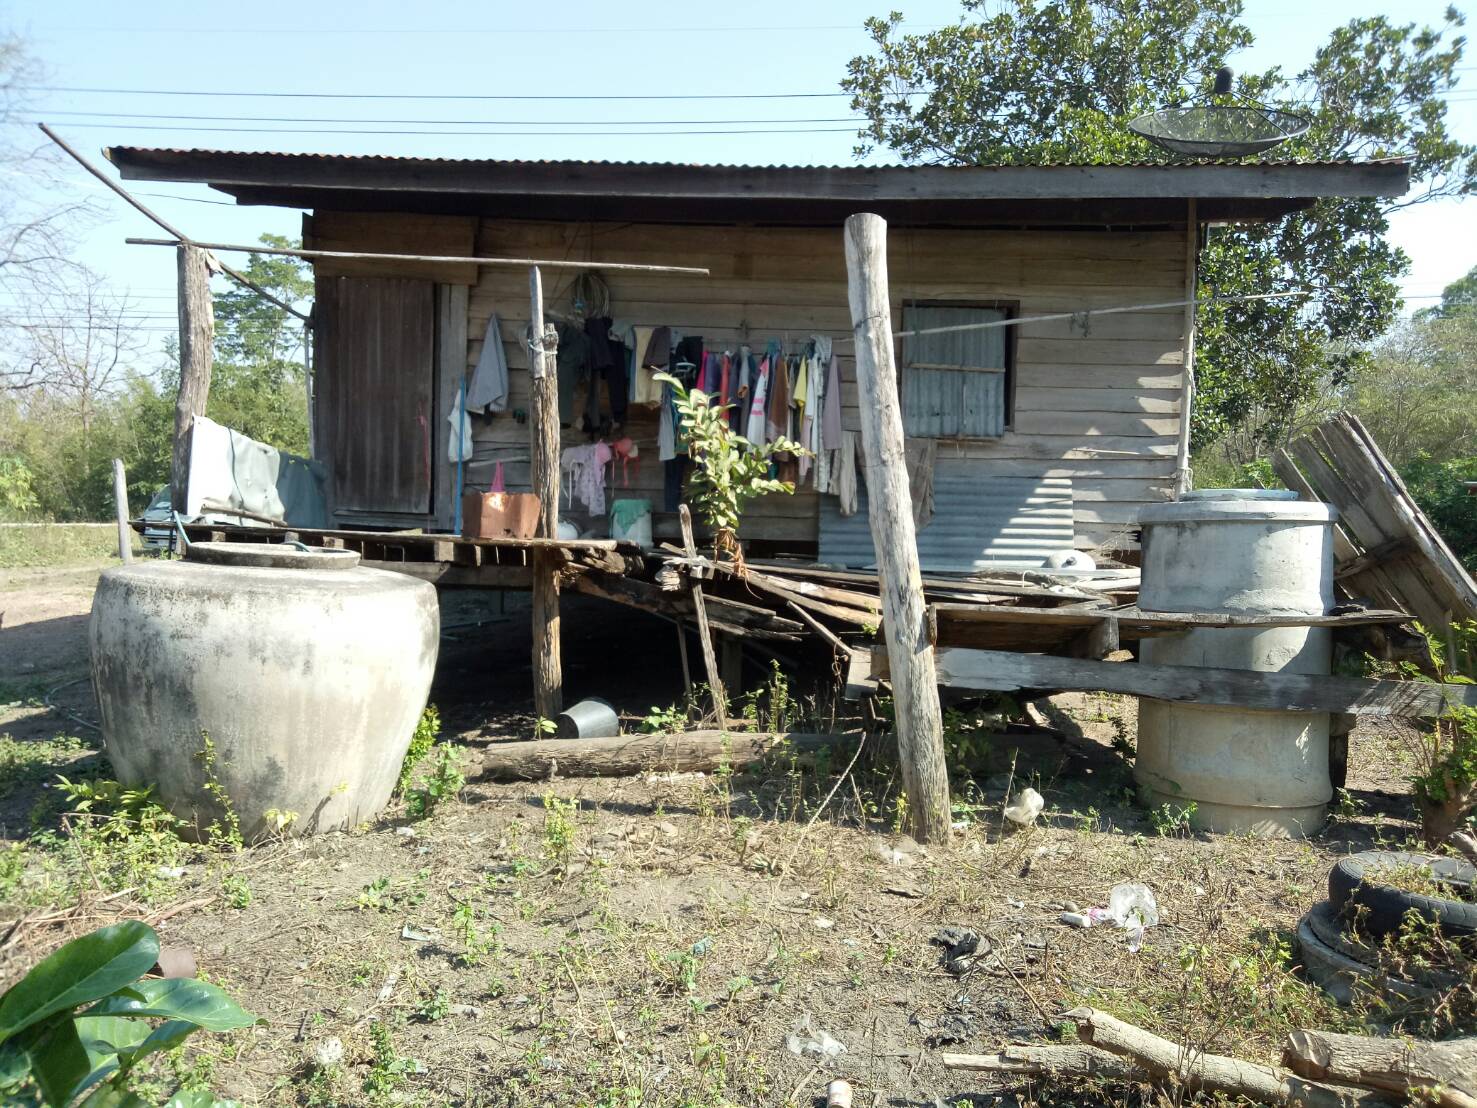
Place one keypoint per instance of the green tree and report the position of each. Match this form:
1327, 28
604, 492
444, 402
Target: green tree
257, 383
1028, 82
1457, 298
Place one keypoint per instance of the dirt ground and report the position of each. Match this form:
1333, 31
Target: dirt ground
695, 940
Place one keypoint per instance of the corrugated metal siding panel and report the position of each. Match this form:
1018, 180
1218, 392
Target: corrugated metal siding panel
978, 522
941, 403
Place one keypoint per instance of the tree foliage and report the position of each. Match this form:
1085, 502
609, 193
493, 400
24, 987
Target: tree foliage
1024, 82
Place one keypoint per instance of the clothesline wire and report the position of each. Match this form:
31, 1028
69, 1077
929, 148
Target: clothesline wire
1087, 313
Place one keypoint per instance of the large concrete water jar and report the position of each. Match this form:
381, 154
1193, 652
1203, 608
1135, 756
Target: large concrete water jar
307, 671
1247, 551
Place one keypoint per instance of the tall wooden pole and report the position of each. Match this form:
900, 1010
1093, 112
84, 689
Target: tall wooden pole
704, 633
1183, 478
120, 506
915, 691
196, 336
543, 423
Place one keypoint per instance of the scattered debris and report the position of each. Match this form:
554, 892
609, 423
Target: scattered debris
1026, 806
388, 988
838, 1094
807, 1040
416, 934
175, 961
1131, 906
330, 1052
962, 947
1076, 919
821, 923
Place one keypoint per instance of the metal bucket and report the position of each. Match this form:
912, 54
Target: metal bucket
1247, 551
589, 719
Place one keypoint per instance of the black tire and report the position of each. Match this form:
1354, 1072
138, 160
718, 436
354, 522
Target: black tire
1355, 890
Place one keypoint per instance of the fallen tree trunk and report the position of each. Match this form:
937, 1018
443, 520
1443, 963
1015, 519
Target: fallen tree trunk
1395, 1065
1214, 1073
629, 755
1045, 1061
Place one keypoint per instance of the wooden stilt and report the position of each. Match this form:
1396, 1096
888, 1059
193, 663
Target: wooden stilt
196, 336
543, 423
120, 506
705, 634
904, 623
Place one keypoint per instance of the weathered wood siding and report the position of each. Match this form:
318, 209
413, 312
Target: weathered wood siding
1101, 407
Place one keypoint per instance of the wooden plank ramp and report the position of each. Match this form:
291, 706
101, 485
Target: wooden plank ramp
1385, 547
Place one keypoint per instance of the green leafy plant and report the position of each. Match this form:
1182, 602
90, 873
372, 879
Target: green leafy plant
426, 730
728, 470
1172, 819
559, 829
1445, 751
388, 1071
224, 832
664, 720
80, 1022
543, 727
444, 782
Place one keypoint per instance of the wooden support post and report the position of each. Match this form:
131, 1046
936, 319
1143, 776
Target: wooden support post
704, 632
120, 505
914, 688
1183, 478
543, 423
196, 336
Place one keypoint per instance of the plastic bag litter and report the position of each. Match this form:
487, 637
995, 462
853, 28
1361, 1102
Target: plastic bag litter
1026, 806
1131, 906
806, 1040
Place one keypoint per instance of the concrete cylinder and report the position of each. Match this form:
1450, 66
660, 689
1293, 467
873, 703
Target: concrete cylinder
307, 671
1244, 551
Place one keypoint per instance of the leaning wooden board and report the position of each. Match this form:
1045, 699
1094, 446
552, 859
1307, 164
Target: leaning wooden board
1385, 548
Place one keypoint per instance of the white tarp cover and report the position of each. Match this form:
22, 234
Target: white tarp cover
227, 467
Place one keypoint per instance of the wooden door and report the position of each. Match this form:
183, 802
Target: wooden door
375, 377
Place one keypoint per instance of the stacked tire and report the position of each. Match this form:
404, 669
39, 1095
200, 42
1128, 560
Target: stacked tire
1339, 938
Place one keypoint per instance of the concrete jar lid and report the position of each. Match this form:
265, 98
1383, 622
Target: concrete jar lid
269, 555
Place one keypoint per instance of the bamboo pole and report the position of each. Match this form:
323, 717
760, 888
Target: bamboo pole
543, 425
904, 624
434, 259
120, 506
179, 236
196, 334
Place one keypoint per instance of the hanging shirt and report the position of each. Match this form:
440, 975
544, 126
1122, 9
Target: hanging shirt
760, 387
643, 389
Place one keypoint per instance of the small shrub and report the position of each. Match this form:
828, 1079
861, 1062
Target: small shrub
426, 730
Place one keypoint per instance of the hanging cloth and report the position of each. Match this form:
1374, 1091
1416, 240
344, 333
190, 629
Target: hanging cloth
831, 410
845, 475
755, 432
489, 389
584, 468
919, 455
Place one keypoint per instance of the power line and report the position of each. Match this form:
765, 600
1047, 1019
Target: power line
563, 30
474, 134
448, 96
457, 122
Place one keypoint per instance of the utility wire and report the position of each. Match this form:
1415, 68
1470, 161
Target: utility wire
503, 134
457, 122
450, 96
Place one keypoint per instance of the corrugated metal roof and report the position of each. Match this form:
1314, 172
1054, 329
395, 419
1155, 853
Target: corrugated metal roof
1167, 163
977, 522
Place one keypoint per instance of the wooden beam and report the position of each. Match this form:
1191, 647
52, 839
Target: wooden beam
629, 755
729, 616
449, 576
434, 259
196, 336
543, 426
1006, 671
120, 507
1183, 478
915, 693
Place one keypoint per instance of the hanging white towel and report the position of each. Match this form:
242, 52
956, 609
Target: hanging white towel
459, 441
845, 473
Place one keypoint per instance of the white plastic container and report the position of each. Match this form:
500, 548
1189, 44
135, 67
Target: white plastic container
1249, 551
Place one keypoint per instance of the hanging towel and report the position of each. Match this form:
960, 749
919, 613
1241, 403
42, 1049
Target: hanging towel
845, 475
459, 441
831, 407
919, 455
489, 388
756, 428
497, 479
644, 390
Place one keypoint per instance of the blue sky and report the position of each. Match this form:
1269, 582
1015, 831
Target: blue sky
575, 48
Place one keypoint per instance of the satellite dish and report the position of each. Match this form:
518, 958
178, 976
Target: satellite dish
1219, 131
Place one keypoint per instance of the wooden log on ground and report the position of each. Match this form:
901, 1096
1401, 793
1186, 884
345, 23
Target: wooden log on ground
1394, 1065
543, 426
915, 691
196, 336
1006, 671
1045, 1061
629, 755
1212, 1073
